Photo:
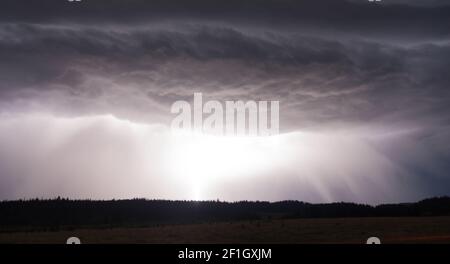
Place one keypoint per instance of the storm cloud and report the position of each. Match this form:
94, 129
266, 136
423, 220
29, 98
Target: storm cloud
368, 79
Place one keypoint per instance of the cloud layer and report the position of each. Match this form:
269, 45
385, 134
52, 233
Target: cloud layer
368, 79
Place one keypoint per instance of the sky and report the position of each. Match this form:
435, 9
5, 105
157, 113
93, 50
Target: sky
86, 90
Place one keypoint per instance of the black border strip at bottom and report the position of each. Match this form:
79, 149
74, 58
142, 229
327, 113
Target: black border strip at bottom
225, 253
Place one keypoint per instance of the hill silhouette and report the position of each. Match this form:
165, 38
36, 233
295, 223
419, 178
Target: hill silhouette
55, 214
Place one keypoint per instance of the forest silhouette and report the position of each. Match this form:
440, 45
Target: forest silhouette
60, 213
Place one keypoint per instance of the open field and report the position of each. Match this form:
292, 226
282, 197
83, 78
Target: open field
338, 230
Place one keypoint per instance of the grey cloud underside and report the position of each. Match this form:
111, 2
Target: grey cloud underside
312, 74
382, 69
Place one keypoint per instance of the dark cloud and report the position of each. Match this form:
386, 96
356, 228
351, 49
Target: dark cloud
361, 17
424, 3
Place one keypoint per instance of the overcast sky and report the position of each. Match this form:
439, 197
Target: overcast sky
86, 90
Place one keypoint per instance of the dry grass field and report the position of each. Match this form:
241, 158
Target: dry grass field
340, 230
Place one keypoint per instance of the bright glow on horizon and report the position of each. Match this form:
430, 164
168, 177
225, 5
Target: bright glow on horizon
103, 157
204, 159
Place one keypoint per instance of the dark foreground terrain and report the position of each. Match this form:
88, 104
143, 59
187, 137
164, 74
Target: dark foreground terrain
336, 230
158, 221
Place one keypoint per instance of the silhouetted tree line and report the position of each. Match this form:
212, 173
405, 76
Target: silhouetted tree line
60, 213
